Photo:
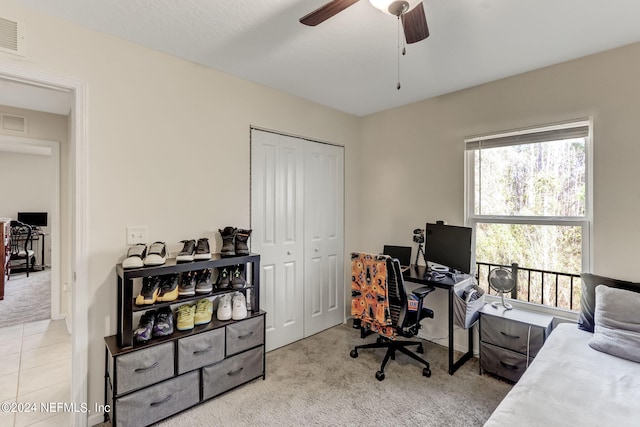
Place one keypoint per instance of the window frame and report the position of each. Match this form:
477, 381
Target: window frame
585, 221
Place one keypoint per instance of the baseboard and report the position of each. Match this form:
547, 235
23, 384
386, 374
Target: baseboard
69, 323
444, 342
94, 419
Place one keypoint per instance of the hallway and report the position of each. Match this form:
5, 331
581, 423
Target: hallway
35, 367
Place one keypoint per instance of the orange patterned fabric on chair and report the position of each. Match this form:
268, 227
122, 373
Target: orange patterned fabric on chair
369, 299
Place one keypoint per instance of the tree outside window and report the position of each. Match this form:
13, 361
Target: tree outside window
527, 200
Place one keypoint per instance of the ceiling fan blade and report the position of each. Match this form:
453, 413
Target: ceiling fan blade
414, 23
325, 12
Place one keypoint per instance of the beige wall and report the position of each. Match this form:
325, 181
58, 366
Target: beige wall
168, 148
423, 175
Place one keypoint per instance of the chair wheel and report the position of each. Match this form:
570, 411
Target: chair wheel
354, 353
420, 349
379, 375
426, 372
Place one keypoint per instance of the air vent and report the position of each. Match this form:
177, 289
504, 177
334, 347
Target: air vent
13, 123
11, 36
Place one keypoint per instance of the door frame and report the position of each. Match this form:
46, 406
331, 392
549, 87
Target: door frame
79, 242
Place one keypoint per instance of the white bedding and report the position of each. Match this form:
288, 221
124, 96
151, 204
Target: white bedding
571, 384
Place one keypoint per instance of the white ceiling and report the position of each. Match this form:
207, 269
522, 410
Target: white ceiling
349, 62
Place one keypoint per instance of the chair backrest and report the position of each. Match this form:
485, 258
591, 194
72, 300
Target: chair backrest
378, 296
20, 239
398, 301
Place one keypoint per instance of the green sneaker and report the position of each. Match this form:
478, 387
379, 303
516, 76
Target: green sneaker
185, 317
204, 311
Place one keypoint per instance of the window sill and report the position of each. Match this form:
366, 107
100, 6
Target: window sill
558, 313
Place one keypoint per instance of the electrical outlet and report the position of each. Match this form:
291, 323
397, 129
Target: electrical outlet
136, 234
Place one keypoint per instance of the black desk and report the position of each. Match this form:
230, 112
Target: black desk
417, 274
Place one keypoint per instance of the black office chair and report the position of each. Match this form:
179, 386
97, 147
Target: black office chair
20, 246
381, 304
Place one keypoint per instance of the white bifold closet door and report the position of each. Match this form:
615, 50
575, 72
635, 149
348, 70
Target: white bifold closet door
297, 210
323, 237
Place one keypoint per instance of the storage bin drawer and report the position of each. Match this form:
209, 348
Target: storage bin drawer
200, 350
144, 367
232, 372
505, 363
152, 404
245, 334
512, 335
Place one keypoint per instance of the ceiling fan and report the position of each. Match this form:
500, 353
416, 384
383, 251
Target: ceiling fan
411, 13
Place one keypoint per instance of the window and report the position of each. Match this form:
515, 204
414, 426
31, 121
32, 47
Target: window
528, 199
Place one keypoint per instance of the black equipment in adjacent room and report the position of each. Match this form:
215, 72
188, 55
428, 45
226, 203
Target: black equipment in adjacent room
37, 219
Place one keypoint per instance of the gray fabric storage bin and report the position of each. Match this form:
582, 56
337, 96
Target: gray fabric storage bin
465, 314
146, 406
145, 367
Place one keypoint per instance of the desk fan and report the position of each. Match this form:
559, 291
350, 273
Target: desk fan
501, 281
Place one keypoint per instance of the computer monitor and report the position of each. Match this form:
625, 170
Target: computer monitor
402, 253
450, 246
38, 219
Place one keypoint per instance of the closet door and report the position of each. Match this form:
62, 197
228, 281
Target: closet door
324, 236
277, 222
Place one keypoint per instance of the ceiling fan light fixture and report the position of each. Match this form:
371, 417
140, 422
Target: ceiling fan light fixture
394, 7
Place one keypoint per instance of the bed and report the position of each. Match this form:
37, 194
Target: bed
569, 382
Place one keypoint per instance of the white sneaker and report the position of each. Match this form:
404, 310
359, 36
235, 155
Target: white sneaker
135, 256
239, 307
157, 254
224, 307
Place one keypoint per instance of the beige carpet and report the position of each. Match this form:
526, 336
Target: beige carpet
314, 382
26, 299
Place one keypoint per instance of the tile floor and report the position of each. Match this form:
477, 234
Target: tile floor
35, 367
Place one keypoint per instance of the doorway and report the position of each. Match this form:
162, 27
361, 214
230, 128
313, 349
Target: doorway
77, 316
31, 167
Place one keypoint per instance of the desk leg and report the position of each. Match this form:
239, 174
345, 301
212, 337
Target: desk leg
451, 370
43, 264
453, 366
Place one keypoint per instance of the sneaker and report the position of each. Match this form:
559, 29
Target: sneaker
185, 317
242, 236
150, 289
239, 307
203, 251
187, 252
135, 255
187, 287
223, 278
203, 284
164, 322
224, 307
228, 246
237, 277
157, 254
169, 288
144, 331
204, 312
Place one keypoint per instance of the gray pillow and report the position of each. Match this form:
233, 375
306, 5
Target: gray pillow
588, 298
617, 324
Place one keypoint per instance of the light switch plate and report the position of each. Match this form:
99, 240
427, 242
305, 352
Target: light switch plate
137, 234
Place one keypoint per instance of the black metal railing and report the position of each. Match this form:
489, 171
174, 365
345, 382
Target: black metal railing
550, 288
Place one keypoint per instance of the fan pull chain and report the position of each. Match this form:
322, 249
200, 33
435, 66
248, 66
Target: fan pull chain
398, 86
